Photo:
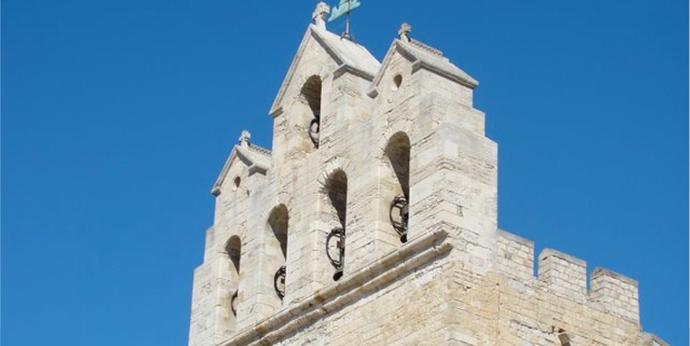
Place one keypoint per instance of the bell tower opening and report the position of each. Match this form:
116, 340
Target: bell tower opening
336, 190
311, 91
337, 195
234, 251
397, 154
276, 251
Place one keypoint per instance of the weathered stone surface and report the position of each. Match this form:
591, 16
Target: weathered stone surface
403, 128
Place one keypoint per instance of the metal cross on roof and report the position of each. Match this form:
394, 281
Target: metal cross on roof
344, 8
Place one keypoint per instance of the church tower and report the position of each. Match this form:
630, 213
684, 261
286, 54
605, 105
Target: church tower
373, 220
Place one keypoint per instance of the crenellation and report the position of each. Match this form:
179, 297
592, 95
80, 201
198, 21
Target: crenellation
563, 274
616, 293
515, 256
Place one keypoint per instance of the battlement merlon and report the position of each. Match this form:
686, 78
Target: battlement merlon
566, 276
616, 293
515, 256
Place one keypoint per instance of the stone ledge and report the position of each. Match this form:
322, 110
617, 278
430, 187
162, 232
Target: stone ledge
516, 238
346, 291
598, 271
547, 252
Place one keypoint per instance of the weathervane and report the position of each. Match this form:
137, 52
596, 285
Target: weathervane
344, 8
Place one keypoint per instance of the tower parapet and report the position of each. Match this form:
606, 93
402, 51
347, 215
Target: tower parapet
566, 276
563, 274
616, 293
515, 256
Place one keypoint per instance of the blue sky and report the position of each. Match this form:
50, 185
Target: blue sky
118, 115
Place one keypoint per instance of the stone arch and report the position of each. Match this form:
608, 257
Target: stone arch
331, 166
309, 71
394, 186
276, 250
233, 250
334, 212
404, 126
397, 151
335, 189
278, 225
311, 91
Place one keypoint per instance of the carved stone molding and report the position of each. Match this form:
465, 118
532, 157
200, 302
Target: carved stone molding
349, 289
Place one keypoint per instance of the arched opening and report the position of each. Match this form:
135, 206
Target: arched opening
234, 251
311, 91
397, 81
336, 191
397, 155
276, 251
337, 195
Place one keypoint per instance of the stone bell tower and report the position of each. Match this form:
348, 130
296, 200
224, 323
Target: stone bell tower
373, 220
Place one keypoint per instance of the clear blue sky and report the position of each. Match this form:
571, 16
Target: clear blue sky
118, 115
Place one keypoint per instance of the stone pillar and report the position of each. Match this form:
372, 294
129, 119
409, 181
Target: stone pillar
454, 172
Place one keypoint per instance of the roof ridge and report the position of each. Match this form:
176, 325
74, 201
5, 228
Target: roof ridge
426, 47
260, 149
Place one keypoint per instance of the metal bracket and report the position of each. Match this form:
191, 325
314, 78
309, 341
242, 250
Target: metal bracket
314, 128
399, 216
233, 303
338, 234
279, 282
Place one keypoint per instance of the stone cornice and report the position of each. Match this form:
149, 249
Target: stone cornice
349, 289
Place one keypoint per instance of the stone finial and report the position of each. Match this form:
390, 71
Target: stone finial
245, 136
404, 32
320, 12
